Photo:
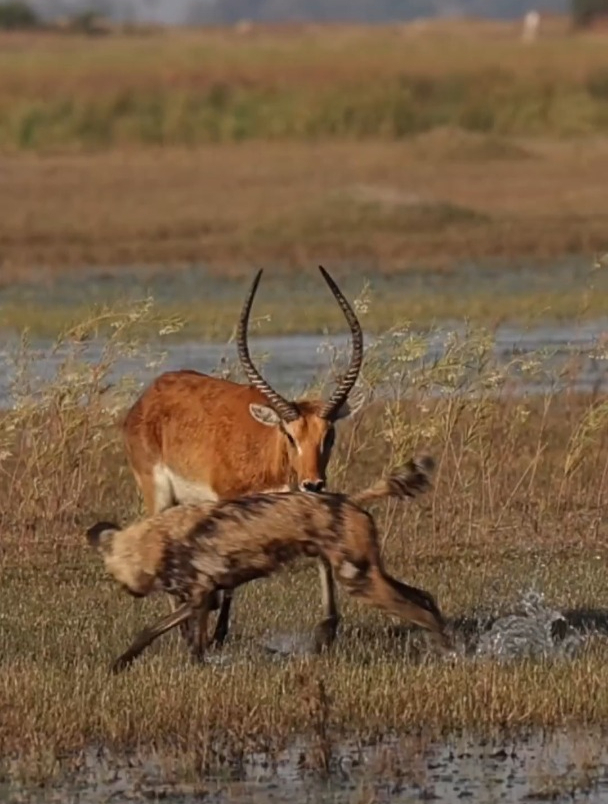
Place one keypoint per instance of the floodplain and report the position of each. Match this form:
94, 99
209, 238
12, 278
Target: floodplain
442, 231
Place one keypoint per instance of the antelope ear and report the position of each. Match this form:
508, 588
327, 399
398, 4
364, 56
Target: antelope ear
352, 405
265, 415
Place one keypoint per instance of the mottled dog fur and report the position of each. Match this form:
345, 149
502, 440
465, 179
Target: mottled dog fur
193, 551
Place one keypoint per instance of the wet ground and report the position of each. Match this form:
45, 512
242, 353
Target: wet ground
196, 282
560, 766
529, 765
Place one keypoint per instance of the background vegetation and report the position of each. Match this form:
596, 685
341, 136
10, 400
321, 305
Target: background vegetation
210, 11
585, 12
309, 84
387, 150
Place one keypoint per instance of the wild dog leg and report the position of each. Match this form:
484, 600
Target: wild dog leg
326, 630
149, 634
379, 589
415, 605
200, 638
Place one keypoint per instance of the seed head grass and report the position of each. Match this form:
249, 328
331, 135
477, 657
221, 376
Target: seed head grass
517, 504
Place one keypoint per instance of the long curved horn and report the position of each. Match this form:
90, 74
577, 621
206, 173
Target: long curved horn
340, 394
286, 410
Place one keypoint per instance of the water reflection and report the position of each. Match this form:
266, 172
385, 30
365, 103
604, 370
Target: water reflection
565, 766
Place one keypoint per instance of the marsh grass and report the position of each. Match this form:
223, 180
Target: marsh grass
216, 324
518, 504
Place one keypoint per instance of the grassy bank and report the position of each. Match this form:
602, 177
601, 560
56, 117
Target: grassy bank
393, 304
517, 504
304, 83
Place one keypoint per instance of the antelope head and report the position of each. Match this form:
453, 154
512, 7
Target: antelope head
306, 425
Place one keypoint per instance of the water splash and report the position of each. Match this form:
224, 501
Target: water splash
281, 645
537, 632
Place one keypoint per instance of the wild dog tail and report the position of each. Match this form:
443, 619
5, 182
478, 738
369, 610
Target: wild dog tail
100, 535
414, 478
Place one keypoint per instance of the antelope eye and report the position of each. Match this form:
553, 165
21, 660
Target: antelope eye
291, 439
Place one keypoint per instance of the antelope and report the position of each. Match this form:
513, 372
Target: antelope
193, 551
192, 438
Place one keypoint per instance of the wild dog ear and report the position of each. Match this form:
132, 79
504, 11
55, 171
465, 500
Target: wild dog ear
265, 415
99, 531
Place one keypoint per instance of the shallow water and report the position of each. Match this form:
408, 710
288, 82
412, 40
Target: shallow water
293, 362
560, 767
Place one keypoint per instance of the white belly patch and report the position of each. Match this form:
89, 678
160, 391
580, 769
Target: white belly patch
169, 486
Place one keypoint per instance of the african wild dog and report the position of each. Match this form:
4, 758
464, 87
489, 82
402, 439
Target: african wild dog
191, 551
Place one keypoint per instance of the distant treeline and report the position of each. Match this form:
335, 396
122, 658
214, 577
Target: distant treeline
31, 13
359, 10
231, 11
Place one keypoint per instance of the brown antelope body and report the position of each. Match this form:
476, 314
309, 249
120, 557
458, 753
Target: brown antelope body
192, 438
192, 551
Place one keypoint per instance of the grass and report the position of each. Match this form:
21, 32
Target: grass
347, 178
393, 304
303, 83
517, 504
389, 207
287, 192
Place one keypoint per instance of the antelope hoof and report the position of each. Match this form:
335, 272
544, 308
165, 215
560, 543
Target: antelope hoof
218, 640
325, 633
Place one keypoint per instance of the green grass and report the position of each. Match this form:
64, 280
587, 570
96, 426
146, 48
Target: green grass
351, 82
390, 309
